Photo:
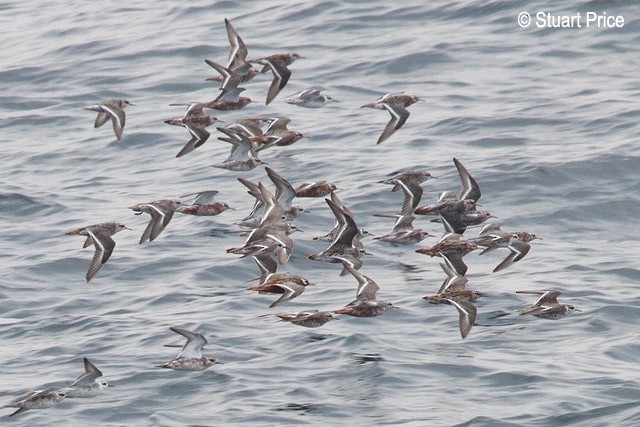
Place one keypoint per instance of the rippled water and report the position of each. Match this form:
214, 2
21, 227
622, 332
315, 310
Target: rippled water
545, 119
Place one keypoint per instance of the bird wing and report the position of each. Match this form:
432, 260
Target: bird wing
267, 266
101, 119
470, 187
117, 118
348, 228
193, 346
412, 196
89, 376
467, 315
399, 116
455, 262
238, 50
191, 145
160, 218
104, 245
367, 288
203, 197
517, 250
549, 297
241, 148
291, 290
278, 123
284, 190
281, 75
229, 94
273, 211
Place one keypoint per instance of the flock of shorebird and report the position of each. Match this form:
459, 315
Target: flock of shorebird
270, 223
86, 385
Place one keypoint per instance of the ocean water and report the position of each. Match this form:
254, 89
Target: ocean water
546, 120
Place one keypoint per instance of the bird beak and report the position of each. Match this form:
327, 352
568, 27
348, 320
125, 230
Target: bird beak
394, 306
127, 228
109, 385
